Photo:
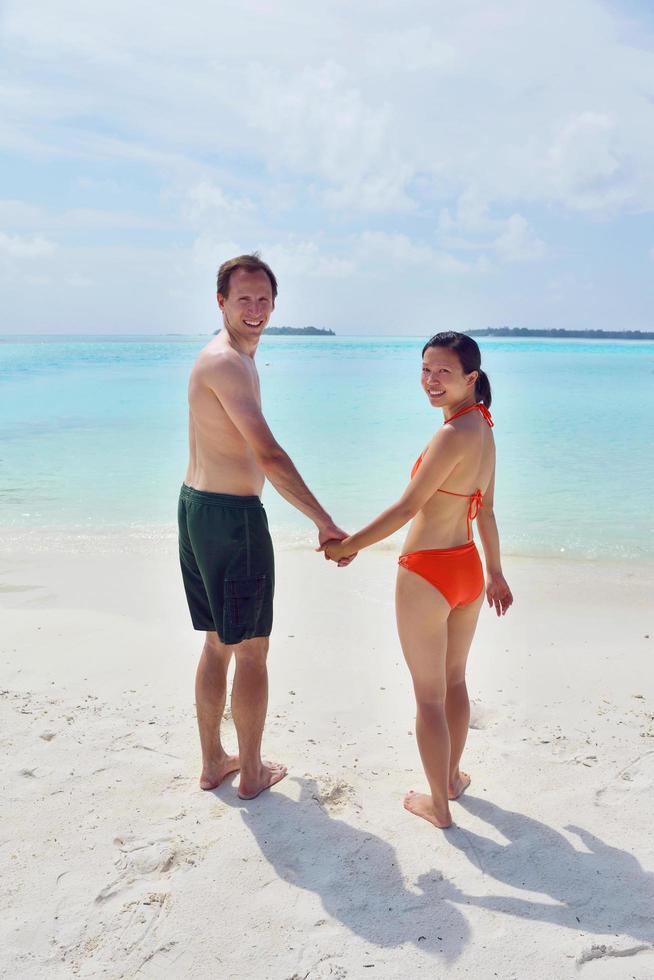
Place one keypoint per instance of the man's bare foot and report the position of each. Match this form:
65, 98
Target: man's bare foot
458, 785
423, 806
213, 773
271, 773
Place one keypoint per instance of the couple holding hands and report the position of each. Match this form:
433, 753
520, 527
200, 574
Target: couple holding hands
227, 560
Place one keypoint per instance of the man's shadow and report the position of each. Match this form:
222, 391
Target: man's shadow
354, 873
598, 889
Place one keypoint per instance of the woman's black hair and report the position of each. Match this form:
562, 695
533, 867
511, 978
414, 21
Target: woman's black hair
469, 355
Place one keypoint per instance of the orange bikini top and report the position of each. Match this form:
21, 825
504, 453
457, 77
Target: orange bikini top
476, 499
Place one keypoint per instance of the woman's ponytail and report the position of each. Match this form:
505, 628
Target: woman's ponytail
483, 389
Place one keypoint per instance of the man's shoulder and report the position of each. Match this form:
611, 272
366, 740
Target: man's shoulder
220, 364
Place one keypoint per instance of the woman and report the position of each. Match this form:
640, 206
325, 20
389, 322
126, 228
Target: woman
440, 582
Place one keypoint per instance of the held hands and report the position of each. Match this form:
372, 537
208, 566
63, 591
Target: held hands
330, 538
340, 552
498, 593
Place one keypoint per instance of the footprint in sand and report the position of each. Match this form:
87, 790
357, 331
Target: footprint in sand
481, 716
125, 938
126, 926
146, 859
322, 970
333, 794
637, 777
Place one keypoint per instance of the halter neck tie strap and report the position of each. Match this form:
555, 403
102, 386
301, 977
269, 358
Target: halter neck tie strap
471, 408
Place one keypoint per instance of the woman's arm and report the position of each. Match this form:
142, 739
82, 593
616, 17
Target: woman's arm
498, 592
440, 458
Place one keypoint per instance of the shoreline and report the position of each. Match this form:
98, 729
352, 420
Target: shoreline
141, 539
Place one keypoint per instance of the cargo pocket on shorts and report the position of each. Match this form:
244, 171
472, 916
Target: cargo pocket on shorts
244, 598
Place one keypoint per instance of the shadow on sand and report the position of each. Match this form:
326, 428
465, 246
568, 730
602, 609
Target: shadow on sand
596, 889
354, 873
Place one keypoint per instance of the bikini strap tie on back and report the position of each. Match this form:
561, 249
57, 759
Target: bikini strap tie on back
475, 505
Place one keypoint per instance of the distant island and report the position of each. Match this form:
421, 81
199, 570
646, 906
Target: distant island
574, 334
299, 332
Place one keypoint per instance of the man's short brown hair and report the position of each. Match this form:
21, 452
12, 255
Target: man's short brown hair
250, 263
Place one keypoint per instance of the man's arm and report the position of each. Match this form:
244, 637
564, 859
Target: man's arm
232, 385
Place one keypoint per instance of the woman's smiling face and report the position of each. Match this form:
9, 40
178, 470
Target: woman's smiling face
443, 379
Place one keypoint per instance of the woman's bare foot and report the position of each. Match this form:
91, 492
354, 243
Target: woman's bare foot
213, 773
423, 806
458, 785
270, 773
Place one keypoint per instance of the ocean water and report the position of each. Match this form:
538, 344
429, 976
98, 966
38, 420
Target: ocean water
93, 434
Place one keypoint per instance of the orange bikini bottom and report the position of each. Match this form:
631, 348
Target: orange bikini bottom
455, 572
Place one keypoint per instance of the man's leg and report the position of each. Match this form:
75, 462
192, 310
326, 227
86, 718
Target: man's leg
249, 705
210, 692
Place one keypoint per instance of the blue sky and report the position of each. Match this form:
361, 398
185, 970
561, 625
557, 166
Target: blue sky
403, 167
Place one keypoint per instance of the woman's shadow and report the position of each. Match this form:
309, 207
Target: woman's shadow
354, 873
598, 889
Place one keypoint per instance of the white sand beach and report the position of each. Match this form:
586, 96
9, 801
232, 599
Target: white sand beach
117, 865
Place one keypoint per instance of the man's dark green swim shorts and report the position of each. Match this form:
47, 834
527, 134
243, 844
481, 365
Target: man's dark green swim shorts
227, 563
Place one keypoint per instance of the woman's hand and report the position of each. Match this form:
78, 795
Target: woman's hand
498, 593
339, 551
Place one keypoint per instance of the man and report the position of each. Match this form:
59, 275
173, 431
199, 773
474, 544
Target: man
225, 549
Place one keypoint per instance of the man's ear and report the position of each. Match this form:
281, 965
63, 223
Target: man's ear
221, 300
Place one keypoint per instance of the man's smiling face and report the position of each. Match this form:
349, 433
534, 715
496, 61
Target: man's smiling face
248, 304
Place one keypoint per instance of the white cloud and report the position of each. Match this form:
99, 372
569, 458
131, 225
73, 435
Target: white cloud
585, 163
23, 215
517, 243
471, 228
409, 49
437, 142
20, 214
21, 247
207, 251
304, 258
206, 201
399, 250
528, 102
316, 121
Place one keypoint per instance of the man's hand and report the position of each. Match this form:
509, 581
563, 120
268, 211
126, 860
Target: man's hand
329, 532
339, 551
333, 534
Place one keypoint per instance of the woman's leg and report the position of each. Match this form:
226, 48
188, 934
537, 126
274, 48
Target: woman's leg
422, 614
461, 627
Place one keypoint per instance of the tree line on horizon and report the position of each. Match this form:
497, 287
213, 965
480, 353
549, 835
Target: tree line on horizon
295, 331
560, 332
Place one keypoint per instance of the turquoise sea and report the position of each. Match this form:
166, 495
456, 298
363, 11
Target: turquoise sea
93, 434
